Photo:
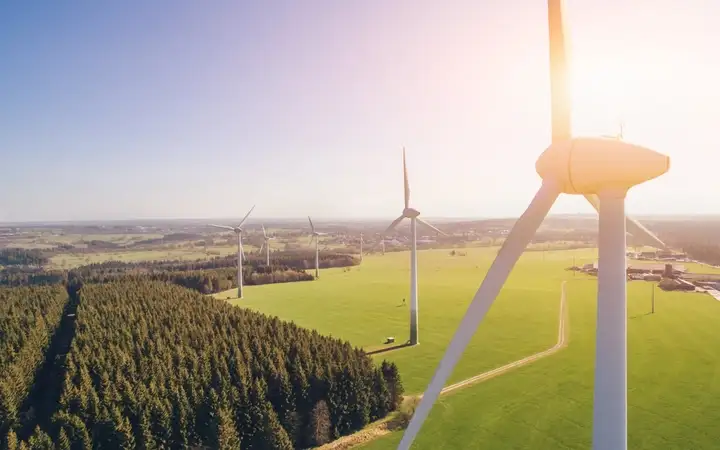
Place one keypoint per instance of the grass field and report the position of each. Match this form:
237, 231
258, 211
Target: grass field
364, 305
78, 259
674, 354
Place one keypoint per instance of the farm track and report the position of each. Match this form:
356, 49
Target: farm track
385, 426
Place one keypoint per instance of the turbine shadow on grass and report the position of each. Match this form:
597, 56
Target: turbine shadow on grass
388, 349
637, 316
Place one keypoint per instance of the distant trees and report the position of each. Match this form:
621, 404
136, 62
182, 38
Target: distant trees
22, 257
193, 371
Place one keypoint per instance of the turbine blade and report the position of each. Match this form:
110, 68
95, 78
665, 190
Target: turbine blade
429, 226
407, 183
223, 227
633, 227
242, 252
261, 248
246, 216
312, 227
559, 73
394, 224
509, 253
311, 239
263, 228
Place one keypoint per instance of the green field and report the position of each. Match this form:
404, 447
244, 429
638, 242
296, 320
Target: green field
70, 260
673, 354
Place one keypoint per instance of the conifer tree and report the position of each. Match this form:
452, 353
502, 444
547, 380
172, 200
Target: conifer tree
63, 441
225, 430
320, 425
11, 441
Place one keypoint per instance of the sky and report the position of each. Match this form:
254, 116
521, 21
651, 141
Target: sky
186, 109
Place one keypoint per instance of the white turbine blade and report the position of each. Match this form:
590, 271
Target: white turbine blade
246, 216
633, 226
512, 248
312, 227
225, 227
312, 236
429, 226
242, 252
407, 183
261, 248
394, 224
559, 73
264, 233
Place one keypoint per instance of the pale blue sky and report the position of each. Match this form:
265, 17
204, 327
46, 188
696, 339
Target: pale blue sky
158, 109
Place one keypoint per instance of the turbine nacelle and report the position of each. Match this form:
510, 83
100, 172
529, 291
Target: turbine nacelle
590, 165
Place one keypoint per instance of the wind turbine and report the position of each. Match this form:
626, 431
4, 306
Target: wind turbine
266, 245
413, 215
362, 241
316, 235
606, 168
241, 254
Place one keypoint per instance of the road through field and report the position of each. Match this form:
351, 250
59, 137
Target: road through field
384, 427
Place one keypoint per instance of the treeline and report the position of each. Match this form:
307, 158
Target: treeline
193, 371
699, 239
22, 257
205, 281
708, 253
298, 260
26, 276
29, 316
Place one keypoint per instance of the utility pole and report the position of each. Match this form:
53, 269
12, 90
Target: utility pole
653, 298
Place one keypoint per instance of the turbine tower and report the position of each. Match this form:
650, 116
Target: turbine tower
314, 235
603, 170
241, 254
413, 215
361, 247
266, 246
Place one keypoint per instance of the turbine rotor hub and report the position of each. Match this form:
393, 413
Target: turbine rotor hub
411, 213
590, 165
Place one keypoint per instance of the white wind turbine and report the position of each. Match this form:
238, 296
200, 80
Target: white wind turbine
316, 235
411, 214
362, 241
241, 254
606, 168
266, 246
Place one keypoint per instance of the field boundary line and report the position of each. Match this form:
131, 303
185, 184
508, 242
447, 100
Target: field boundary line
385, 426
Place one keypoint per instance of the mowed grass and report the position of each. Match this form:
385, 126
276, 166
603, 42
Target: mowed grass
673, 381
364, 306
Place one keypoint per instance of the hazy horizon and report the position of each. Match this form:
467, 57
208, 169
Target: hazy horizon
256, 221
179, 109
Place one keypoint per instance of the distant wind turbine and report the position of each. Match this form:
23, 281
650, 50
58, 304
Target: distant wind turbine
316, 236
241, 254
361, 247
411, 214
266, 245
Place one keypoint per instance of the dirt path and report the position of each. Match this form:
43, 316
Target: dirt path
383, 427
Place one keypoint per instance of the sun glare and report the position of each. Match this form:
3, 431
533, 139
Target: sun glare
599, 95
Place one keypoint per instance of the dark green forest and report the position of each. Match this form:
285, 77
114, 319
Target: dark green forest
146, 364
29, 317
22, 257
205, 276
